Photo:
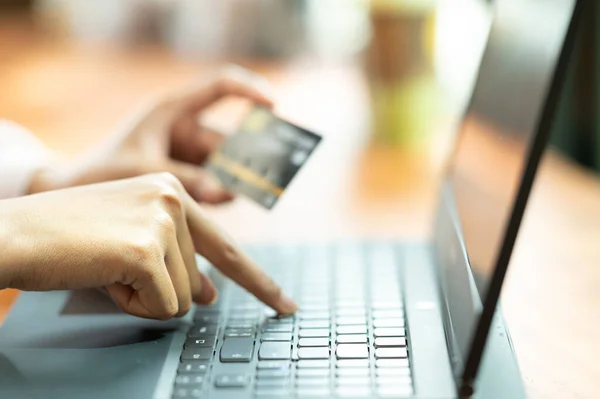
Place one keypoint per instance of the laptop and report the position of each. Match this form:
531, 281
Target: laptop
376, 319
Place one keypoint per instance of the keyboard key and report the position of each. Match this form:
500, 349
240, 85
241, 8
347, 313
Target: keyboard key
383, 314
387, 290
352, 372
393, 372
310, 372
393, 363
312, 364
351, 330
274, 325
397, 322
353, 392
312, 381
271, 393
350, 321
242, 317
206, 318
237, 315
353, 363
275, 351
310, 301
239, 332
395, 392
313, 342
207, 341
280, 320
237, 350
189, 380
351, 339
313, 393
193, 367
353, 380
196, 354
357, 312
276, 337
185, 393
231, 381
244, 307
278, 328
352, 304
199, 331
206, 309
312, 297
314, 333
308, 315
273, 373
391, 353
314, 324
389, 332
273, 365
286, 317
404, 381
386, 305
389, 341
352, 351
272, 383
313, 353
314, 307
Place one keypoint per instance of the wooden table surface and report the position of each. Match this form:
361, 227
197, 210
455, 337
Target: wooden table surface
71, 96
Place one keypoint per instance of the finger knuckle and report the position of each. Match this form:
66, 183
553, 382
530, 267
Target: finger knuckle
169, 196
229, 254
146, 254
165, 222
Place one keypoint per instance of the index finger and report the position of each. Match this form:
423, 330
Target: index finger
212, 243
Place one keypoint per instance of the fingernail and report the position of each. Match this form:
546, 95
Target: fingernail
287, 304
215, 299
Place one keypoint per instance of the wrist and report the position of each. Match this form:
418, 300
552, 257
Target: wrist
14, 247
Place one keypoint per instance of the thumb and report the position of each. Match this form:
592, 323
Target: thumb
200, 184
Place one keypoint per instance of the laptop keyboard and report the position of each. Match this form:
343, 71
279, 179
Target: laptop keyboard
348, 339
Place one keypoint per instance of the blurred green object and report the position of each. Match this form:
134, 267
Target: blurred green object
399, 67
575, 131
402, 112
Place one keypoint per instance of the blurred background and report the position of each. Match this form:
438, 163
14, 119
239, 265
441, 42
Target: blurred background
379, 76
384, 81
411, 54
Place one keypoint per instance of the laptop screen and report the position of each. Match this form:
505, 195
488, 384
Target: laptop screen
494, 146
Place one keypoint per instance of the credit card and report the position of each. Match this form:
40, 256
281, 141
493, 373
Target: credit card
262, 157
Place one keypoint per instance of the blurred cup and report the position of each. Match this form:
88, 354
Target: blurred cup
399, 67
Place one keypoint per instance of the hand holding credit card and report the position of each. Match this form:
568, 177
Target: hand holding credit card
263, 156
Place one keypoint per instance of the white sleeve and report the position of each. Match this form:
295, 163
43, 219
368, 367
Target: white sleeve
21, 154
